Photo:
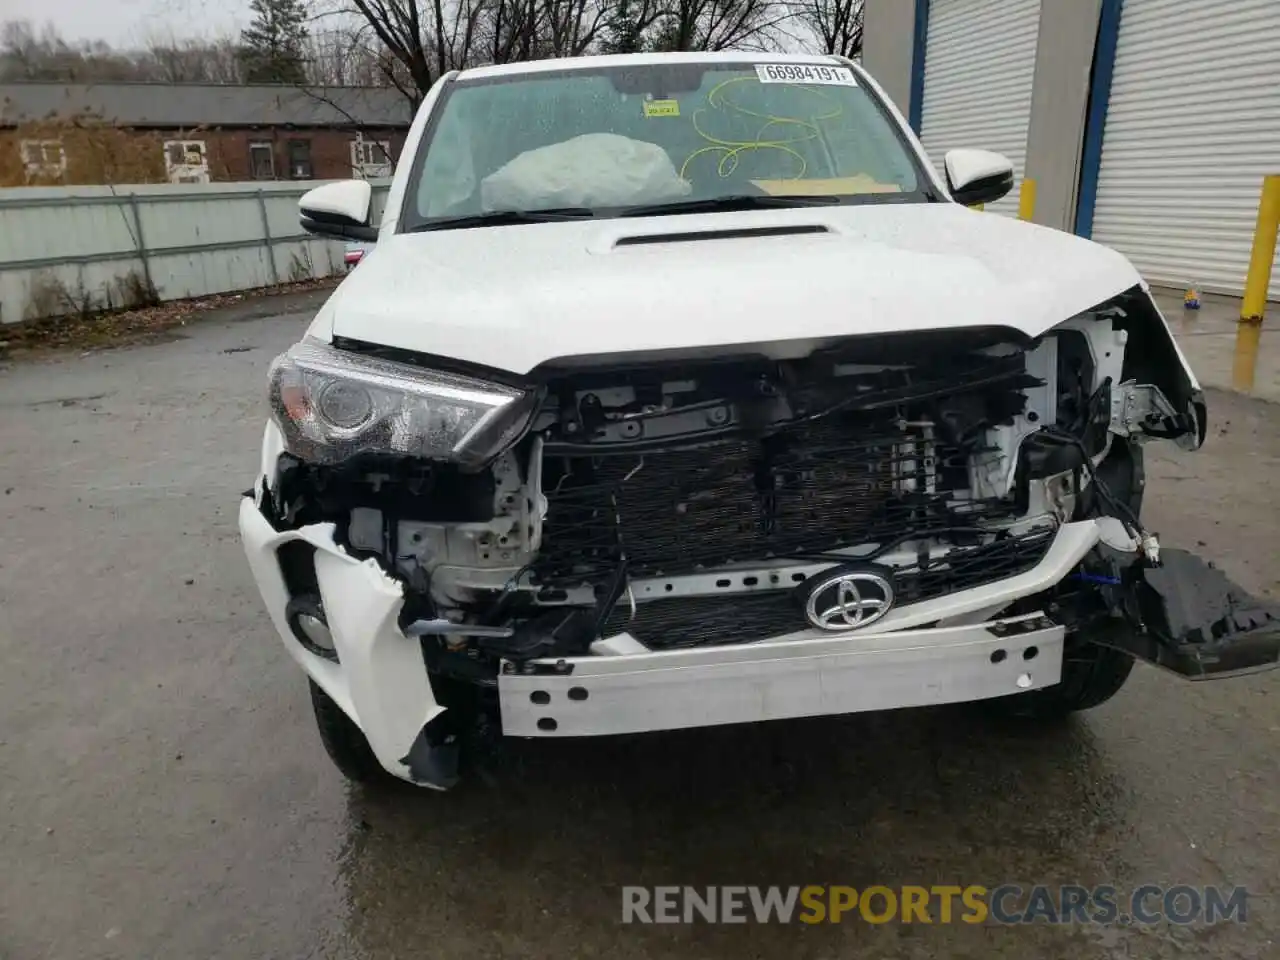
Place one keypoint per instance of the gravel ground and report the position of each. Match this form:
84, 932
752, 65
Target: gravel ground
165, 794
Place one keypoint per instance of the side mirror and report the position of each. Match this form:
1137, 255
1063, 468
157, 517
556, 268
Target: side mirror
340, 210
978, 176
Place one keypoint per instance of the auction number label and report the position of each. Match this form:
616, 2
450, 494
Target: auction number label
805, 73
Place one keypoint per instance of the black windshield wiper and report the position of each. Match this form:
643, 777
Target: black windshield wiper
736, 202
503, 218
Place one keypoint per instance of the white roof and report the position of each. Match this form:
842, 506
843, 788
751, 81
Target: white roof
643, 59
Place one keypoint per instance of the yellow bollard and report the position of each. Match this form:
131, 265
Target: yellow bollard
1254, 305
1027, 200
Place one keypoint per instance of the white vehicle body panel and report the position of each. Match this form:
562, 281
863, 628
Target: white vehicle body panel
511, 298
567, 290
381, 683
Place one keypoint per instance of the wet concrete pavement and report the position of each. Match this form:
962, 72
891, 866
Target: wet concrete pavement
1208, 339
164, 793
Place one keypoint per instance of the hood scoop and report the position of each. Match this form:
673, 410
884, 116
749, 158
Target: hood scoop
738, 233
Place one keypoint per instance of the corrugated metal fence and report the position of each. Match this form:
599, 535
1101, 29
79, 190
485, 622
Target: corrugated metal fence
69, 249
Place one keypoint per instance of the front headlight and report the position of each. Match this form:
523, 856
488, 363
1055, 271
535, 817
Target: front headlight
333, 404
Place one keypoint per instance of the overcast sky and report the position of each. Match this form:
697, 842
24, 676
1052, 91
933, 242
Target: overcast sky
123, 22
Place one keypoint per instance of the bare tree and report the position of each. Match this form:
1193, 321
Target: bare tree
170, 59
409, 44
508, 31
515, 30
337, 57
426, 37
572, 27
360, 127
28, 53
220, 59
717, 24
836, 23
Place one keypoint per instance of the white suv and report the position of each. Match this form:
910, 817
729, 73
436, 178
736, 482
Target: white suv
680, 390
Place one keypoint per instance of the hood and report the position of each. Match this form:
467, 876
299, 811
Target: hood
512, 298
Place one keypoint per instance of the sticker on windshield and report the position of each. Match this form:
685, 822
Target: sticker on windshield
662, 108
805, 73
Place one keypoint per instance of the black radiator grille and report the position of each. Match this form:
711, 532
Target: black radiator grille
839, 482
966, 567
709, 620
746, 617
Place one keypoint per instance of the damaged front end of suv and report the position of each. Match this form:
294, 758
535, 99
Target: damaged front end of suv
633, 420
610, 545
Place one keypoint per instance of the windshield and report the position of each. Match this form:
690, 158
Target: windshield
655, 138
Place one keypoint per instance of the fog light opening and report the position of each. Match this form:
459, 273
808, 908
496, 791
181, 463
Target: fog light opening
310, 627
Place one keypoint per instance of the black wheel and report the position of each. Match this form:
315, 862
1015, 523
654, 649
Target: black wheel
344, 741
1091, 675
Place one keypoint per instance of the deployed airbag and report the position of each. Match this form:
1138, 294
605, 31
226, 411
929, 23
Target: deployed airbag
593, 170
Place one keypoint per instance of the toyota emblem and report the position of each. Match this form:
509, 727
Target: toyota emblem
847, 599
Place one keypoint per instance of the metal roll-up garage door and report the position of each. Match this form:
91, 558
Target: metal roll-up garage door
1193, 123
979, 67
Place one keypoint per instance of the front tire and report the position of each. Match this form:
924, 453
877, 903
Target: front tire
344, 741
1091, 675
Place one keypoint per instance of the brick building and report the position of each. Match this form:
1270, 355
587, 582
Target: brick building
58, 133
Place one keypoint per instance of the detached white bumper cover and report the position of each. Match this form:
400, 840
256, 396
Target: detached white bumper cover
381, 680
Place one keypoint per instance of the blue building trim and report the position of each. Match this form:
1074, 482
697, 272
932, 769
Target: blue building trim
919, 43
1104, 65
